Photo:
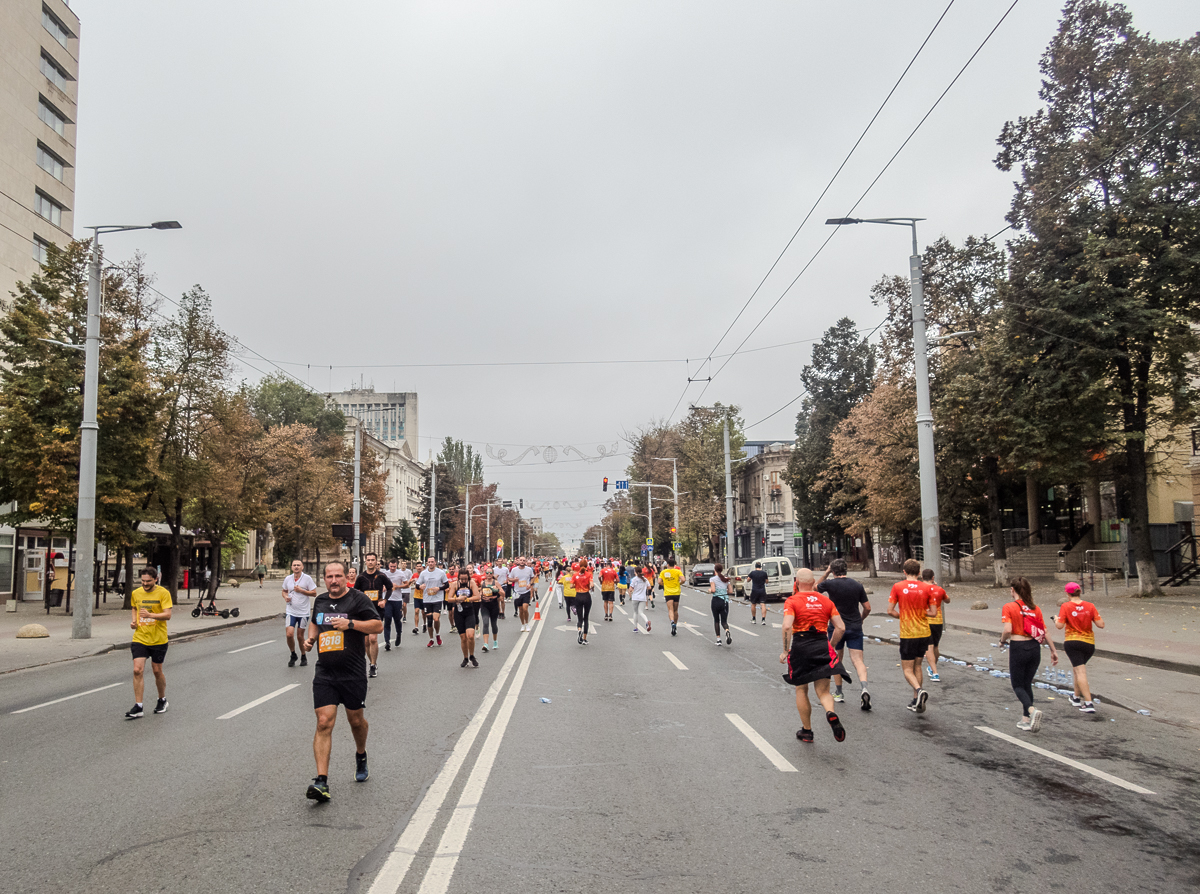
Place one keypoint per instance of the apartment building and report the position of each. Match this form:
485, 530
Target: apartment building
764, 512
389, 416
39, 70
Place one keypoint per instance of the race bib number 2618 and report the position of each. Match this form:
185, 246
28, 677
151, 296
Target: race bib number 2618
331, 641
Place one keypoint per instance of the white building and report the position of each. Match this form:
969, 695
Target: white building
391, 417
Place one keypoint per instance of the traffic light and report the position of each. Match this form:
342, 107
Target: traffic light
605, 487
672, 530
764, 540
522, 506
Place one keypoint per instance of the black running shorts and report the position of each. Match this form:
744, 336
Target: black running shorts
935, 633
1078, 651
350, 692
912, 649
156, 654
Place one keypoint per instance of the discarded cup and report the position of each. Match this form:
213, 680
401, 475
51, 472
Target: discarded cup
545, 701
1144, 712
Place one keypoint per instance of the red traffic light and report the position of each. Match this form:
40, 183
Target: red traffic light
605, 484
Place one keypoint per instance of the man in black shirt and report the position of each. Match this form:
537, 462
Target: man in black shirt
341, 621
758, 592
847, 595
373, 583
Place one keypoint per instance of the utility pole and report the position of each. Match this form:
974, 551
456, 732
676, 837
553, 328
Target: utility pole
674, 491
432, 505
728, 501
356, 511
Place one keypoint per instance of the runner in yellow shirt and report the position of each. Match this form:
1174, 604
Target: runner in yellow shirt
151, 611
672, 583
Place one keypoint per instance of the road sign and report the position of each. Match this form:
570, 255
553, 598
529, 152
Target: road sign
645, 550
649, 541
621, 485
678, 547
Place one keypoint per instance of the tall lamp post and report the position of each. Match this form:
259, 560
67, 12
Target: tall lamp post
931, 534
89, 430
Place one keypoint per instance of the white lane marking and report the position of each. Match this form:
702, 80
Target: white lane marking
441, 869
776, 626
675, 661
395, 867
67, 698
747, 632
258, 701
780, 762
1099, 774
621, 609
689, 608
255, 646
692, 627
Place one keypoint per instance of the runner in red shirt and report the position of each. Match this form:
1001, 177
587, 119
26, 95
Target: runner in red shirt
912, 602
608, 589
809, 654
936, 625
581, 580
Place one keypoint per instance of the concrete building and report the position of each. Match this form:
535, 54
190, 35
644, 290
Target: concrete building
39, 70
764, 513
403, 477
390, 417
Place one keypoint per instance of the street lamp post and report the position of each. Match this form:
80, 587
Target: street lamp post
89, 430
931, 535
674, 490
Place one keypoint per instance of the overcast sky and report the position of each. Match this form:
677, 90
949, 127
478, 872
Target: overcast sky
373, 184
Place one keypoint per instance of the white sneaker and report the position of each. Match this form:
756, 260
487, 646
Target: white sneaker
1023, 724
1035, 720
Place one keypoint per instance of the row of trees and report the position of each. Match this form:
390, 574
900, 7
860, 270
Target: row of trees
1081, 368
180, 440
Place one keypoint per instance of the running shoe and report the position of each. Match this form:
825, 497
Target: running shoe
387, 645
912, 706
501, 616
672, 628
397, 635
718, 642
728, 637
304, 660
1076, 701
360, 767
464, 663
934, 678
439, 639
485, 648
474, 661
373, 672
579, 638
1088, 708
429, 645
415, 630
647, 626
1035, 720
866, 700
1024, 724
134, 713
318, 791
839, 698
161, 707
922, 698
294, 659
496, 645
839, 731
804, 735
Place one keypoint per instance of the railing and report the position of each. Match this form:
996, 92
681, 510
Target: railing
1092, 562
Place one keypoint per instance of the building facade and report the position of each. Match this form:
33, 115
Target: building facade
764, 513
39, 70
403, 477
390, 417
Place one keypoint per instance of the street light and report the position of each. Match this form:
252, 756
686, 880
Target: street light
931, 535
85, 526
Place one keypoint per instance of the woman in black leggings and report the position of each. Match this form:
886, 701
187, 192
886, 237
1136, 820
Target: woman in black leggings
583, 602
719, 587
1024, 627
489, 611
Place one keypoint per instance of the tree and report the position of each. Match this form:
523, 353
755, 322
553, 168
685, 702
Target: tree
280, 400
461, 462
308, 493
404, 543
702, 469
839, 376
1108, 202
447, 497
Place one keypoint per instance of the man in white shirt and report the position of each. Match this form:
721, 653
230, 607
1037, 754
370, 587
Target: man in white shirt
298, 592
433, 583
521, 578
396, 607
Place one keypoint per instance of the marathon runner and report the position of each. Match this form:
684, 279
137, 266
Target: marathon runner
521, 578
1078, 616
808, 652
151, 611
582, 584
298, 591
377, 587
847, 595
672, 584
489, 611
718, 585
569, 588
758, 592
936, 625
342, 619
433, 583
464, 596
1025, 628
397, 601
638, 590
623, 582
608, 586
912, 602
501, 571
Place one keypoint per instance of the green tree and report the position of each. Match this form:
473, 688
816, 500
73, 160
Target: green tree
1108, 202
447, 497
462, 464
702, 470
404, 543
280, 400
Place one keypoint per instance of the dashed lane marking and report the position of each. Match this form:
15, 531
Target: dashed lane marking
675, 661
255, 646
67, 698
1099, 774
781, 763
258, 701
747, 632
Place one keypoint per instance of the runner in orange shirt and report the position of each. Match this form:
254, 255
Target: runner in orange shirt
1077, 617
608, 588
809, 653
936, 625
912, 602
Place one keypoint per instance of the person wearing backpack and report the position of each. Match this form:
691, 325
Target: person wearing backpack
1025, 630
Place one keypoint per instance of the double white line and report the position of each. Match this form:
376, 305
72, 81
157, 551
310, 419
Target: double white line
437, 877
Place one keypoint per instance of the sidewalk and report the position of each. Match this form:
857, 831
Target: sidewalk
110, 625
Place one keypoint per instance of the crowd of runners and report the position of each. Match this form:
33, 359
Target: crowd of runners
822, 619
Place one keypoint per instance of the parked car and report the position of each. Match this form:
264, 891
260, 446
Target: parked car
701, 574
780, 576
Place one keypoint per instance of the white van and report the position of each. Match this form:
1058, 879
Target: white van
780, 576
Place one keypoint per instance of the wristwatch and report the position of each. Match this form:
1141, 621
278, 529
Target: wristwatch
350, 626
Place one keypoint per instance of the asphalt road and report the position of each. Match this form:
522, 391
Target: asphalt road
633, 778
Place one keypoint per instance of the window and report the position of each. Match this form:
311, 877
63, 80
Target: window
56, 28
54, 73
49, 162
52, 117
6, 563
48, 208
41, 252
